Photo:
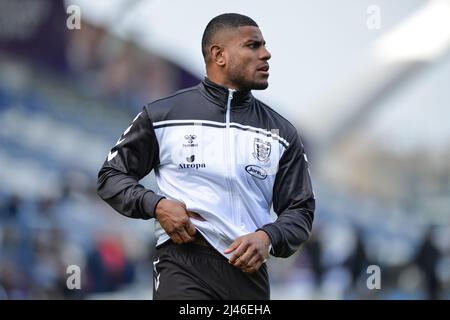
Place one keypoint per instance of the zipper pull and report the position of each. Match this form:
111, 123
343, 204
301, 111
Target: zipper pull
230, 97
228, 107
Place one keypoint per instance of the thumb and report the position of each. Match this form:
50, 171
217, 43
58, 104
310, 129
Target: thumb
233, 246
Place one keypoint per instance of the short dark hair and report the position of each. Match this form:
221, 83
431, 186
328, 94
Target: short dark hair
221, 22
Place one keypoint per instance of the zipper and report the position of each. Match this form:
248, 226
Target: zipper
228, 111
229, 154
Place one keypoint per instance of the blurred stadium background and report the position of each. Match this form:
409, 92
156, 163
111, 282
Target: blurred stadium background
370, 97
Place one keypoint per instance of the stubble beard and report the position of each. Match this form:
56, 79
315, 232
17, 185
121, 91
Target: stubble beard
238, 77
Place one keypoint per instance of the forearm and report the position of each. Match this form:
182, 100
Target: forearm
293, 201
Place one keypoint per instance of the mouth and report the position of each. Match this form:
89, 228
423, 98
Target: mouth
263, 69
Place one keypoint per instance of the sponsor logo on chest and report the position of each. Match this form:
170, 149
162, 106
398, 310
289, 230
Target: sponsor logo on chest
190, 164
189, 142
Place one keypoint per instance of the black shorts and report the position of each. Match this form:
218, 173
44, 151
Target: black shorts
198, 272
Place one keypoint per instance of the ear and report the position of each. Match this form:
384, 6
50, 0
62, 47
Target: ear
217, 55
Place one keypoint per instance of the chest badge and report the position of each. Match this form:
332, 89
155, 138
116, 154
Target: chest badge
262, 150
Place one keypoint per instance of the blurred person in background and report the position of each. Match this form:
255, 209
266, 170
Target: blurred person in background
221, 158
108, 266
427, 259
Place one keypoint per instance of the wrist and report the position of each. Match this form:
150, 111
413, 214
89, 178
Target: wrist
265, 237
160, 207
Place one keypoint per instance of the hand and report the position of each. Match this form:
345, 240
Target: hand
250, 251
174, 219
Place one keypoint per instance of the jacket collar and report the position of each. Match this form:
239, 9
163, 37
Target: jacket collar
219, 95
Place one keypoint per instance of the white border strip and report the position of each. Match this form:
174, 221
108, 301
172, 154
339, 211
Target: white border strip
199, 122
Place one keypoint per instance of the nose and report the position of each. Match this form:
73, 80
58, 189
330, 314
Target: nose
266, 54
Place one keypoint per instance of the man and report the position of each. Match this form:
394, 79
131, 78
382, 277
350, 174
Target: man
221, 158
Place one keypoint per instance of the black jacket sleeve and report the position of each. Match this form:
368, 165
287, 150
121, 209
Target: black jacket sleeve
293, 202
135, 154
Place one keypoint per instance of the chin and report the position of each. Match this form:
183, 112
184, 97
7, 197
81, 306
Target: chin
260, 85
254, 84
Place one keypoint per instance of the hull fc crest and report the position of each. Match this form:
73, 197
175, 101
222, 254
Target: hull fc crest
261, 150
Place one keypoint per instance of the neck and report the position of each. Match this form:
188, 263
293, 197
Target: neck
221, 80
219, 94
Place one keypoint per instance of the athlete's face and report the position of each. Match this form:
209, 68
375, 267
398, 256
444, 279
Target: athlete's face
246, 57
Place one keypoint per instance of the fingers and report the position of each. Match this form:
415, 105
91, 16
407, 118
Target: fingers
253, 265
187, 230
190, 229
249, 254
184, 233
233, 246
181, 237
252, 268
243, 260
239, 251
176, 238
175, 220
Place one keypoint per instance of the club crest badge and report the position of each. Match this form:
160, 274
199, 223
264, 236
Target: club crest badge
261, 150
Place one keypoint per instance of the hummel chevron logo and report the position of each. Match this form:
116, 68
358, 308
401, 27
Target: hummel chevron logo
111, 155
120, 141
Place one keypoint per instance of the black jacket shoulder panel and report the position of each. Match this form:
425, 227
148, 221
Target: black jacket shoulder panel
259, 115
188, 104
